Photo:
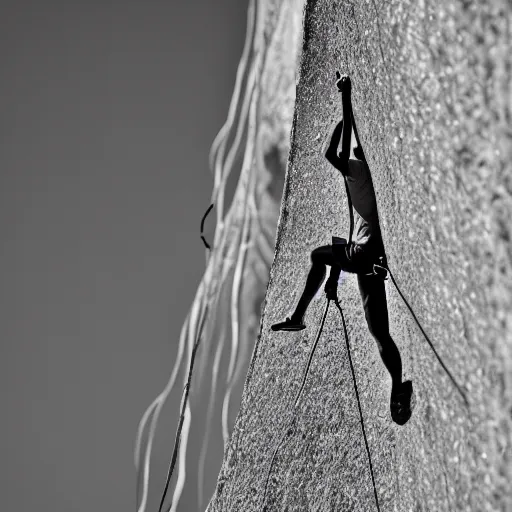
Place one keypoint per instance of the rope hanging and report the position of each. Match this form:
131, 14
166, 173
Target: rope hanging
297, 397
350, 211
451, 377
288, 430
349, 198
336, 301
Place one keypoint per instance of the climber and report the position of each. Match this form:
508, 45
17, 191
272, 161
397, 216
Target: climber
357, 256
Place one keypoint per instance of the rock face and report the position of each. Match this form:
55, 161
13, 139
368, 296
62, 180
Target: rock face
432, 99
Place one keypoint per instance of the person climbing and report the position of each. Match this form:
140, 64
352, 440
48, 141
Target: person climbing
357, 256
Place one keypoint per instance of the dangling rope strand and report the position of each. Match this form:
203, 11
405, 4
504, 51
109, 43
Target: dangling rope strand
452, 378
297, 397
311, 352
350, 210
287, 430
358, 403
386, 268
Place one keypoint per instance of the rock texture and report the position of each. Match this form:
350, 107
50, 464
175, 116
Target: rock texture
432, 99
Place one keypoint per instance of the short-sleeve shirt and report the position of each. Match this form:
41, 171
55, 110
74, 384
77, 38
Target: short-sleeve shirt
366, 219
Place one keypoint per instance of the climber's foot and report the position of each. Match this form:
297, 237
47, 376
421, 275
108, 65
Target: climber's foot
402, 403
290, 324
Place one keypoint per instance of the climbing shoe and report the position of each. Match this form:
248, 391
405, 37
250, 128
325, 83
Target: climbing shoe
402, 403
289, 324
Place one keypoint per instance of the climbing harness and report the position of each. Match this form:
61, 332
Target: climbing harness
289, 430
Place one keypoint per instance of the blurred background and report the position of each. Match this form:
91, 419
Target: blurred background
107, 113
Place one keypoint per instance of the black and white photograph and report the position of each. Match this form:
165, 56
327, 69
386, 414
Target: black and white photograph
256, 255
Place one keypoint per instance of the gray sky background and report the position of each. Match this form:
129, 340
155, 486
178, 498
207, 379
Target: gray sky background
107, 113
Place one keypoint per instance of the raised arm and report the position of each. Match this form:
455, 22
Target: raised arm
332, 150
343, 130
345, 86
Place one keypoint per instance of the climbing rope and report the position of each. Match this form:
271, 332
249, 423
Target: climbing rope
454, 382
350, 210
289, 430
385, 268
336, 301
297, 397
311, 352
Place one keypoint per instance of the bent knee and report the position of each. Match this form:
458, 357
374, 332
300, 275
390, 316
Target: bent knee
321, 254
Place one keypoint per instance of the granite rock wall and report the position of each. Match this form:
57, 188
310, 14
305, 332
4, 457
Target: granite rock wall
432, 100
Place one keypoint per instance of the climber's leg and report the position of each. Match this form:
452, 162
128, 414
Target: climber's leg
373, 295
320, 257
